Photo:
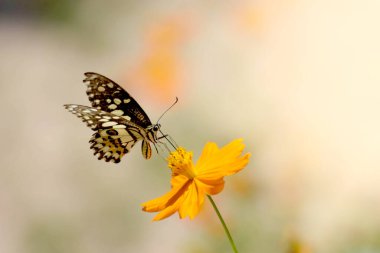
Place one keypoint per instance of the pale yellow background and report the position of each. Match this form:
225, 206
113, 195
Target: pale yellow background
298, 80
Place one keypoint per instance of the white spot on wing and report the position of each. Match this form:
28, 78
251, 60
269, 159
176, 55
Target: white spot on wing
112, 106
118, 112
108, 124
99, 145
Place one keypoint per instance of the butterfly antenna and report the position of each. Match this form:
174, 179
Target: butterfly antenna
176, 100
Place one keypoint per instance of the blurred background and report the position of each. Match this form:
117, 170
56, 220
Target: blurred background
298, 80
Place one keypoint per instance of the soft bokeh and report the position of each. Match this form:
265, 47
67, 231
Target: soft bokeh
297, 80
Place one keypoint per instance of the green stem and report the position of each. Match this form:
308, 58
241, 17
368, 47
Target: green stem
224, 224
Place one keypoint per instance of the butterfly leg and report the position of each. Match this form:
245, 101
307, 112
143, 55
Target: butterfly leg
169, 139
154, 144
164, 136
164, 144
162, 150
172, 141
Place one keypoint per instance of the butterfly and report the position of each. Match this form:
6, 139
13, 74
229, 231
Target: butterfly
117, 119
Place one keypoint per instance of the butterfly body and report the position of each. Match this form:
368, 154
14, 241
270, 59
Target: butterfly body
117, 119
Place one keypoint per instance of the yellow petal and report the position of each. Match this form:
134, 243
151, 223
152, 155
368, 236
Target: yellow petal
226, 161
237, 165
178, 188
170, 210
226, 169
178, 180
230, 152
192, 203
208, 151
211, 187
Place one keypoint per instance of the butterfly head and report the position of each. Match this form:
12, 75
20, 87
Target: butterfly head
152, 132
156, 127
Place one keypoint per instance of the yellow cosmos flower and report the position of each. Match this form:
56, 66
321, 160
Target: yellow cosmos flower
191, 183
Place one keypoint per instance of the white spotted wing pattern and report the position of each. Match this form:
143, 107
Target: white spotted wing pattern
106, 95
117, 119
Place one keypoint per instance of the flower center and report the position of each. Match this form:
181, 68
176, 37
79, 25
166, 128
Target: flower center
181, 163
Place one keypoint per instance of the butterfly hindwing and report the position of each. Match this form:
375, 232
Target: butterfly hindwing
114, 136
111, 146
108, 96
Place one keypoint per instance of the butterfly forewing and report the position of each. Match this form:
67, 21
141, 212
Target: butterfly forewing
106, 95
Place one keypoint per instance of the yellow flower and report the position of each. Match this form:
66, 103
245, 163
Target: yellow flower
190, 183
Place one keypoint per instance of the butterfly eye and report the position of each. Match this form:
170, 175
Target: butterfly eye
156, 127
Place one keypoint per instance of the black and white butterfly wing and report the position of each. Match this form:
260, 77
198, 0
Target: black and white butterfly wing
106, 95
115, 135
